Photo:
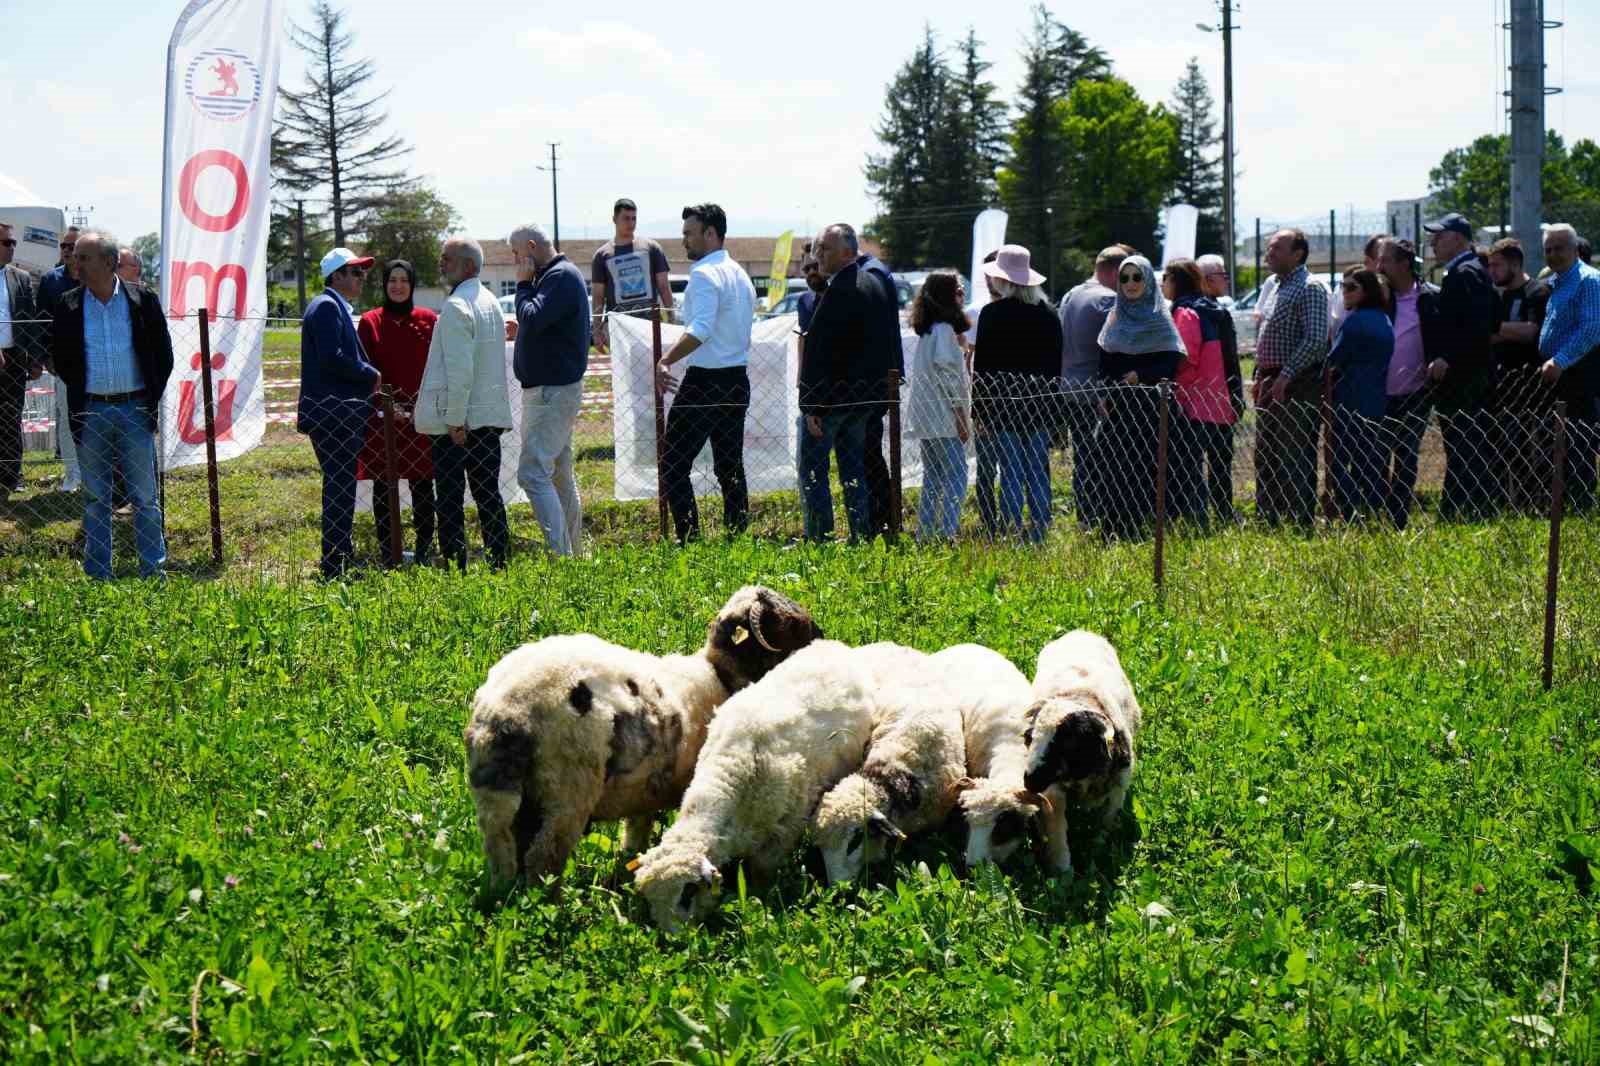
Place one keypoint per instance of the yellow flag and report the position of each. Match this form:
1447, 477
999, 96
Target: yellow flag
778, 280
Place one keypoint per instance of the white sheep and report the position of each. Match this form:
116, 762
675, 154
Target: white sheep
994, 805
769, 756
573, 728
915, 755
1080, 734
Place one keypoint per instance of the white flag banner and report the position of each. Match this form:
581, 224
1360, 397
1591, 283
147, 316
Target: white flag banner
988, 234
222, 83
1183, 223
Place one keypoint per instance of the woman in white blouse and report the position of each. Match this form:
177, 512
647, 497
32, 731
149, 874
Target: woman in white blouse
940, 403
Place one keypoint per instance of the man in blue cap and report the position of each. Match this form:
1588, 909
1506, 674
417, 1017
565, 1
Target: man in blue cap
336, 386
1463, 376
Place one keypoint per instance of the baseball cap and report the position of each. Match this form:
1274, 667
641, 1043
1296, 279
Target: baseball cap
343, 257
1454, 222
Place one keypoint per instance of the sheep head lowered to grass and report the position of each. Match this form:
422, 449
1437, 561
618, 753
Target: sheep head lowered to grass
572, 728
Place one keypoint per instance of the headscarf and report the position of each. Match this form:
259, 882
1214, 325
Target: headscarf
1142, 327
411, 275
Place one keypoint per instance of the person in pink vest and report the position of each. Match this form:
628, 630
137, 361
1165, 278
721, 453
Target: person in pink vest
1202, 450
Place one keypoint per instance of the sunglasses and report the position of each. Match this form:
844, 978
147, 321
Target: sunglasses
8, 242
67, 246
1129, 278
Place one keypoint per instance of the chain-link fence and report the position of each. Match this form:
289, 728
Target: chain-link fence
986, 458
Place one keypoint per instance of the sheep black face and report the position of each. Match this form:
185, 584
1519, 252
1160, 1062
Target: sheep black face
1072, 742
756, 630
681, 889
994, 819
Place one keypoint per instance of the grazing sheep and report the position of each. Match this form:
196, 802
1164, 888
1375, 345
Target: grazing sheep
914, 757
994, 805
1080, 734
572, 728
769, 756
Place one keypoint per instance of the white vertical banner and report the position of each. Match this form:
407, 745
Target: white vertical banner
988, 234
222, 83
1183, 225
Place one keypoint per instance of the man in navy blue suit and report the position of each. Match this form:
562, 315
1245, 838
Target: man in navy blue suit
336, 387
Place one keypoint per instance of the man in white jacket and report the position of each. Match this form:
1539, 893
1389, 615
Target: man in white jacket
464, 404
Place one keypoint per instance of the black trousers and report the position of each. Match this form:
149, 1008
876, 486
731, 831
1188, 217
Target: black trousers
1405, 420
1471, 482
421, 516
13, 391
709, 405
454, 467
1200, 461
1128, 443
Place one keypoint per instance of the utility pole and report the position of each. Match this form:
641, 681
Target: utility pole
1226, 29
1527, 127
80, 215
300, 251
555, 202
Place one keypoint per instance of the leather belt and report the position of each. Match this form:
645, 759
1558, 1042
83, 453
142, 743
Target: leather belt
115, 397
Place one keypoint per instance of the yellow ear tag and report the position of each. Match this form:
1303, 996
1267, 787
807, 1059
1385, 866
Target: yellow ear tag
741, 635
633, 863
1111, 742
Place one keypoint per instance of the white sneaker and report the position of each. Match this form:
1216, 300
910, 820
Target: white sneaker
71, 483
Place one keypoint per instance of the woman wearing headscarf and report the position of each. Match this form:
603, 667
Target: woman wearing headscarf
1016, 361
1142, 349
396, 337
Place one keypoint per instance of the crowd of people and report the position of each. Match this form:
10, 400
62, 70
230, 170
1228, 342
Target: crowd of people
1489, 351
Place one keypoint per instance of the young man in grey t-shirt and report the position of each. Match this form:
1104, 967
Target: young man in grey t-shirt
626, 271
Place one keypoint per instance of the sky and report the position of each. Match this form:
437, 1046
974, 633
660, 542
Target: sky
770, 112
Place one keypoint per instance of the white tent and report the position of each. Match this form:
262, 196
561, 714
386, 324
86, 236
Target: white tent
36, 225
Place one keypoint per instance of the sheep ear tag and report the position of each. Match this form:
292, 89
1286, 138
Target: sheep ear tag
740, 635
633, 863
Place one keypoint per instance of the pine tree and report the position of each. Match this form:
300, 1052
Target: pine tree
327, 135
915, 127
1199, 178
983, 122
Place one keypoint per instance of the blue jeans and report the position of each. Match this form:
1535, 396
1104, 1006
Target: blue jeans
337, 446
944, 486
1025, 470
119, 435
845, 433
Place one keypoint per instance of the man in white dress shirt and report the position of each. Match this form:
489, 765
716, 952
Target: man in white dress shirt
714, 395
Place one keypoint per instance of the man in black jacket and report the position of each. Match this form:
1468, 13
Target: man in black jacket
841, 383
18, 360
112, 351
1463, 372
883, 341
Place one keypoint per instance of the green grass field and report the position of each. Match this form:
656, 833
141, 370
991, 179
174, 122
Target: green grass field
233, 825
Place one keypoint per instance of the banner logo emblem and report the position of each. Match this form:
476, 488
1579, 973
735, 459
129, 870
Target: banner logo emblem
223, 84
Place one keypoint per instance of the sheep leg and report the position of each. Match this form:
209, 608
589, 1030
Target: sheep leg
547, 855
1114, 799
497, 809
1053, 820
636, 834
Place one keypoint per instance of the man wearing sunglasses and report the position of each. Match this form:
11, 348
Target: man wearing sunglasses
18, 361
336, 386
56, 283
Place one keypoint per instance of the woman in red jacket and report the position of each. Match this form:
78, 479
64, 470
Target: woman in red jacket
396, 338
1202, 453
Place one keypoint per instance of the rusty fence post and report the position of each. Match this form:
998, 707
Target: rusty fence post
661, 419
391, 474
1552, 576
1163, 440
896, 518
208, 397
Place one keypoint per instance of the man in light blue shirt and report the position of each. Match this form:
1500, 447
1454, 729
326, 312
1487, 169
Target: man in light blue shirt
1569, 340
714, 396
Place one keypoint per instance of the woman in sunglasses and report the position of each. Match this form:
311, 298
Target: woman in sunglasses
1359, 360
1142, 349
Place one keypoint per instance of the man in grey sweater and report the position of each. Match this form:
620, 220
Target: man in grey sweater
1083, 313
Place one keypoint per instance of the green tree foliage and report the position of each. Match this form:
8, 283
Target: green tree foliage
410, 224
1476, 180
1199, 176
148, 249
1123, 159
329, 136
916, 127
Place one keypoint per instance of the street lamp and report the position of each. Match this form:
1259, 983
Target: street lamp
1226, 29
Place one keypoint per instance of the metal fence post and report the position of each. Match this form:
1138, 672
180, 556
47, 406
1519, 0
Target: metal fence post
661, 419
895, 502
1333, 246
391, 474
1162, 441
1329, 504
1258, 264
214, 497
1552, 576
